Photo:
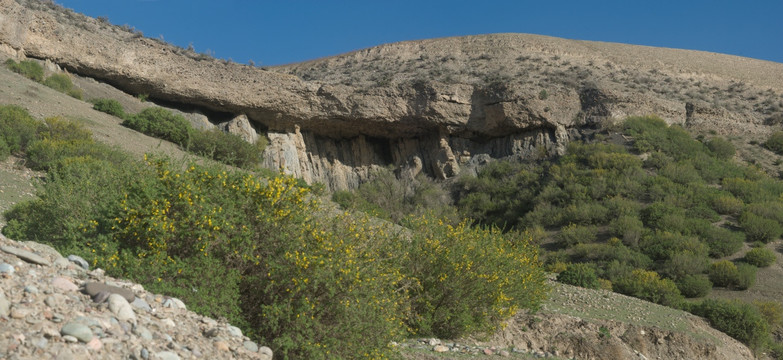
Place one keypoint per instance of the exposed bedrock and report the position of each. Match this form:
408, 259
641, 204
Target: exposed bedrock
439, 106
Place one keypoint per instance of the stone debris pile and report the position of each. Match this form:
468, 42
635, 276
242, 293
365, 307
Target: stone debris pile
53, 307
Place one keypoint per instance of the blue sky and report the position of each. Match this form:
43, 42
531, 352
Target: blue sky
286, 31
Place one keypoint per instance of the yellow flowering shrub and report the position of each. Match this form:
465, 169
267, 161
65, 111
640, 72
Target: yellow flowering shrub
301, 278
468, 278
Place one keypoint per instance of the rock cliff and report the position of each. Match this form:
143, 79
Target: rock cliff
439, 106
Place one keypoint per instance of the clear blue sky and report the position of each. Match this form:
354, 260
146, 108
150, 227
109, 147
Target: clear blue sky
285, 31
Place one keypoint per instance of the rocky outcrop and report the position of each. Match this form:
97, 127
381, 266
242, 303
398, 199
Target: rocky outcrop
459, 99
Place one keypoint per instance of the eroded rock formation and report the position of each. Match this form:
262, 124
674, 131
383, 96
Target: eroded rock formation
447, 104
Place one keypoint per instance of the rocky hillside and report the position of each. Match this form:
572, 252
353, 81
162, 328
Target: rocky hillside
439, 106
53, 307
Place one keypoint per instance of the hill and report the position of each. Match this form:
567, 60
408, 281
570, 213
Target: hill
446, 102
439, 107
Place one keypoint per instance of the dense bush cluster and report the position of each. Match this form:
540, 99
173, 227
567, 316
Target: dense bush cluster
214, 144
741, 321
648, 227
579, 274
265, 255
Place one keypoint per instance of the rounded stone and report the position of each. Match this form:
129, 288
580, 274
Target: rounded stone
265, 353
167, 355
79, 331
250, 346
78, 260
6, 268
64, 284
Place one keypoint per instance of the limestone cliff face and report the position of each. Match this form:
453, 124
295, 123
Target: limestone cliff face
440, 106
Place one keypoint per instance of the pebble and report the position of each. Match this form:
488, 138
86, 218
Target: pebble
234, 331
167, 355
26, 255
31, 289
221, 345
145, 354
142, 332
19, 312
78, 331
440, 348
62, 262
70, 339
94, 344
265, 353
174, 303
5, 305
121, 308
6, 268
250, 346
93, 288
140, 304
78, 260
64, 284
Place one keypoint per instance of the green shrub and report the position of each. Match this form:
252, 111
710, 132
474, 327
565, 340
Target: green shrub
758, 228
63, 84
723, 242
775, 142
76, 192
28, 68
612, 250
694, 286
161, 123
721, 148
662, 245
109, 106
579, 274
469, 279
585, 213
394, 199
684, 263
760, 257
17, 128
61, 139
746, 276
738, 320
226, 148
5, 150
772, 210
649, 286
654, 214
628, 228
734, 276
727, 205
772, 312
577, 234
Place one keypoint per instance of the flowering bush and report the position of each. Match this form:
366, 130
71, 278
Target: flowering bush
468, 278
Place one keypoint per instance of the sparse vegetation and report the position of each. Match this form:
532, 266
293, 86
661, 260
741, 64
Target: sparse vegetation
30, 69
109, 106
63, 84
